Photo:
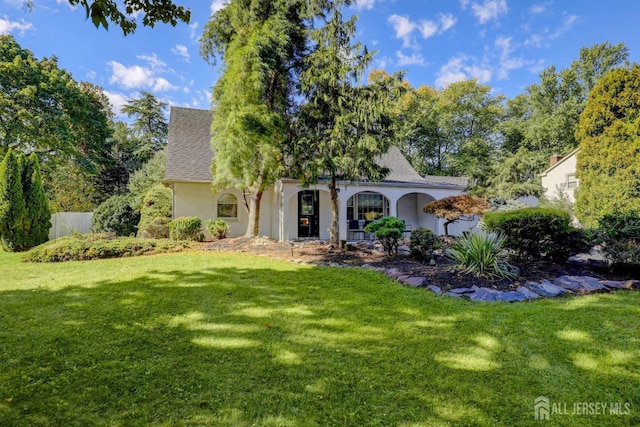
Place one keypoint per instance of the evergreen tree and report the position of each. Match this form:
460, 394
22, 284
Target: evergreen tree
347, 126
38, 215
609, 158
12, 204
149, 128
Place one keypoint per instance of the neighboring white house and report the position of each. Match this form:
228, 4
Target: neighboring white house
289, 211
560, 178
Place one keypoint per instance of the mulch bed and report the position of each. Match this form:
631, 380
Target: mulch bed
442, 274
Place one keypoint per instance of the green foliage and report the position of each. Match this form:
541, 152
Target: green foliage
344, 125
388, 231
456, 208
186, 228
218, 228
609, 159
13, 210
156, 213
260, 44
620, 238
115, 215
422, 243
515, 175
481, 254
82, 247
44, 110
149, 128
121, 13
147, 177
38, 214
537, 232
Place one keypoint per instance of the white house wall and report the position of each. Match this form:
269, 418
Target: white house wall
555, 180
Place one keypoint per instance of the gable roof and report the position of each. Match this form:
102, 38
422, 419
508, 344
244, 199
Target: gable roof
559, 162
189, 153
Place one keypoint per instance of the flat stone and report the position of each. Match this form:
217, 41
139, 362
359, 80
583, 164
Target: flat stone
512, 296
393, 273
545, 289
334, 264
528, 294
402, 278
367, 266
484, 294
461, 291
454, 295
618, 284
580, 284
416, 281
435, 289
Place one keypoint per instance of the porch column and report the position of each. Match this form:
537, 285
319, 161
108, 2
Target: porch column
393, 205
342, 216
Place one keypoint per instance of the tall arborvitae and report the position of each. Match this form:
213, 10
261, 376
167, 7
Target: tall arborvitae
12, 204
38, 218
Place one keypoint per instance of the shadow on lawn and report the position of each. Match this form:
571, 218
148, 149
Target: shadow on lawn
309, 346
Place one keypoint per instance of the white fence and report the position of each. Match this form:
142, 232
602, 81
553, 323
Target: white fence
64, 223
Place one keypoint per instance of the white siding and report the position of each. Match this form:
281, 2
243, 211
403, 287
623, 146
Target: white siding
554, 180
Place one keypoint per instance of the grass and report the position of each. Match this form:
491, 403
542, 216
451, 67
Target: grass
234, 340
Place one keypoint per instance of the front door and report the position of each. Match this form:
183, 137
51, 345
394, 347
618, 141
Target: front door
308, 204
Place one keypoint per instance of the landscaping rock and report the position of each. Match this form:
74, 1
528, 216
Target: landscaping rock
465, 290
512, 296
528, 294
580, 284
394, 273
402, 278
454, 295
484, 294
416, 281
618, 284
435, 289
545, 289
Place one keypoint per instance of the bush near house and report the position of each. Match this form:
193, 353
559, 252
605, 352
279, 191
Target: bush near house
115, 215
389, 231
155, 214
83, 247
186, 228
218, 228
619, 235
537, 232
422, 243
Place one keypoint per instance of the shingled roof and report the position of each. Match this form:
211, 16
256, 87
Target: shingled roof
189, 153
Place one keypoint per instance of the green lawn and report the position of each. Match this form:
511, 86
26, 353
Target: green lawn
232, 340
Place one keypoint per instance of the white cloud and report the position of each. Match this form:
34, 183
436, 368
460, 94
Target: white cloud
566, 26
162, 85
534, 40
133, 77
415, 59
181, 50
7, 26
464, 4
538, 8
446, 21
457, 69
489, 10
156, 63
507, 63
365, 4
403, 27
216, 5
117, 100
428, 28
91, 74
193, 30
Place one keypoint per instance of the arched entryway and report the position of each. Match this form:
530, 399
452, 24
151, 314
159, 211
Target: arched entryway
363, 208
409, 209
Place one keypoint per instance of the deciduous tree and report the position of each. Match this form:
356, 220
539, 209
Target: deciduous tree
456, 208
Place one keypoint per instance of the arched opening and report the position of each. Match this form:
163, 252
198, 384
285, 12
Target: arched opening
409, 209
362, 209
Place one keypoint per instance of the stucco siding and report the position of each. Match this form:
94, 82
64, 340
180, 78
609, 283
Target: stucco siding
554, 181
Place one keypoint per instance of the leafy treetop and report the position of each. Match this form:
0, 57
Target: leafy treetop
456, 208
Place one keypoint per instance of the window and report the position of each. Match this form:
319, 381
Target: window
367, 206
227, 206
572, 181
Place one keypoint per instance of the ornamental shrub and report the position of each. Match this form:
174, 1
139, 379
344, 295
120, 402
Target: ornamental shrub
481, 254
422, 243
218, 228
115, 215
620, 238
186, 228
13, 212
537, 232
156, 213
388, 231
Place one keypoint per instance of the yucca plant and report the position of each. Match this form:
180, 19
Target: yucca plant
481, 254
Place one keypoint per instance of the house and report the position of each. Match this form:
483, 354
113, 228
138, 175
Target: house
288, 210
559, 179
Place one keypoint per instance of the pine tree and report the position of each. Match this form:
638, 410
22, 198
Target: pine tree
38, 214
12, 204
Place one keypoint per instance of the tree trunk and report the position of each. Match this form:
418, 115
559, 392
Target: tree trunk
253, 225
333, 229
446, 228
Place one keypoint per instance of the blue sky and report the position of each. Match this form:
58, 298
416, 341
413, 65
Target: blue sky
502, 43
